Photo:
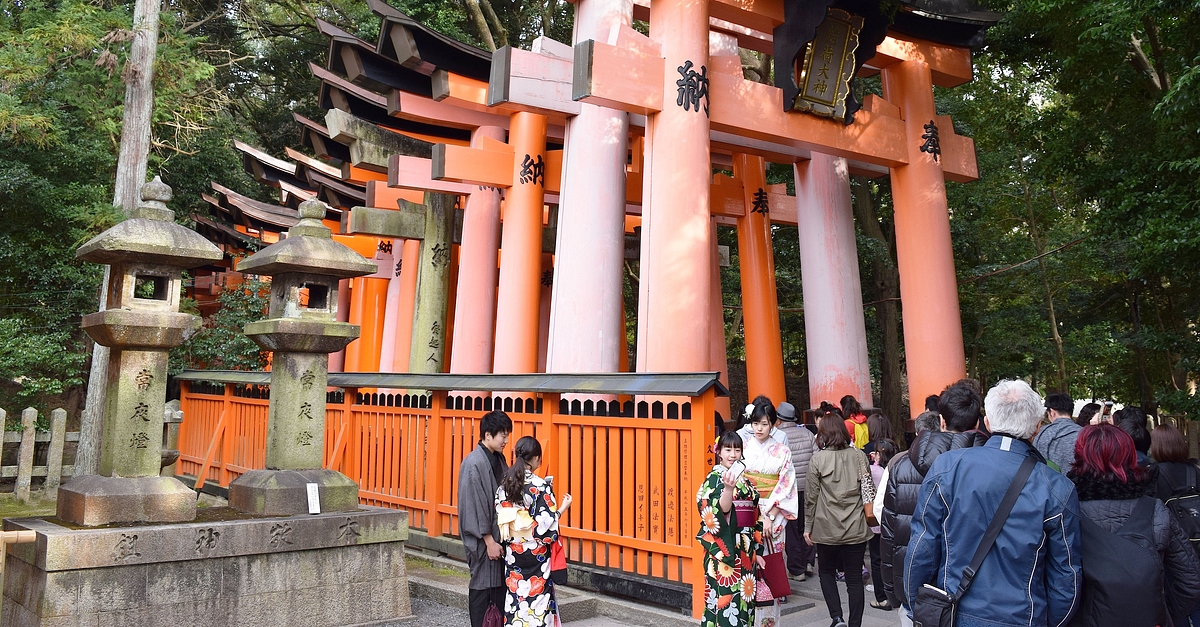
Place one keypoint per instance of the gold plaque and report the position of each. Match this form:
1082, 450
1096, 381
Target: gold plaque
829, 65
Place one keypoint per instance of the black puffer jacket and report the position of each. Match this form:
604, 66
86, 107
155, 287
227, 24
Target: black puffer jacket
1109, 504
905, 474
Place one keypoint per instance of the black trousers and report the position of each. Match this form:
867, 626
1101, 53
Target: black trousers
799, 554
876, 573
849, 559
479, 600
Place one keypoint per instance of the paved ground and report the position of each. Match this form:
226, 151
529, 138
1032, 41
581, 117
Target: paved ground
430, 614
435, 615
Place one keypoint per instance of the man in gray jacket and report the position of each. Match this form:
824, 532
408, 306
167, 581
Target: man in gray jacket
800, 555
478, 478
1056, 442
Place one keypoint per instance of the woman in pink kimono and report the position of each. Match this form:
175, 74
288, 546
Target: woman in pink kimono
769, 467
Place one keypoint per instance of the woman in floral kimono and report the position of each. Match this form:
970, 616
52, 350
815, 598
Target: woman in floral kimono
730, 550
769, 467
528, 523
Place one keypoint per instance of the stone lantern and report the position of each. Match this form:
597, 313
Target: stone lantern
141, 321
301, 329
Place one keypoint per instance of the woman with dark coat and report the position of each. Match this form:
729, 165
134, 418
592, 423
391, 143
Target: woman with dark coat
1176, 474
1110, 484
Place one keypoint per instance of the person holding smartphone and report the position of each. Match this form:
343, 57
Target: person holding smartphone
731, 535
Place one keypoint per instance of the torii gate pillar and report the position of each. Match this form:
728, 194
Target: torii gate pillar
760, 301
586, 318
834, 329
519, 292
675, 310
475, 313
933, 341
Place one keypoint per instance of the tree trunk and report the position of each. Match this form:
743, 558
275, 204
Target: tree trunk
476, 15
1039, 247
131, 175
1135, 316
498, 29
886, 288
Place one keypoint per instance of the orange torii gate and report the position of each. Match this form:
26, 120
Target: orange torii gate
686, 94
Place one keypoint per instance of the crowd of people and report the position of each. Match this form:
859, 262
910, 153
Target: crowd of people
1003, 511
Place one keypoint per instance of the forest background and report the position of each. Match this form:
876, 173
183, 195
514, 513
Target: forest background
1077, 251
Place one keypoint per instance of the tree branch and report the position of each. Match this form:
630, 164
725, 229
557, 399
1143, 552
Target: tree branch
1160, 69
194, 25
1141, 62
497, 28
477, 19
1019, 264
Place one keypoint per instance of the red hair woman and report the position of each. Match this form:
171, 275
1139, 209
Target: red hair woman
1112, 490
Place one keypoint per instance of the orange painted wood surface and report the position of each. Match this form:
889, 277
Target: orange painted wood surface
633, 480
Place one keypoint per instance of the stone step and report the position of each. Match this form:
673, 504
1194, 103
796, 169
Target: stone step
444, 580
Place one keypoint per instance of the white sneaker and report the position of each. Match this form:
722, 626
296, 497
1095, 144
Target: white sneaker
869, 588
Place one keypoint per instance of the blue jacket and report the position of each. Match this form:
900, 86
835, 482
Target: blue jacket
1032, 575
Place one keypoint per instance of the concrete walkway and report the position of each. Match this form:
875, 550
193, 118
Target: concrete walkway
804, 593
439, 600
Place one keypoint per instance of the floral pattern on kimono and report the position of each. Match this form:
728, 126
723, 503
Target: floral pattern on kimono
775, 459
529, 600
729, 552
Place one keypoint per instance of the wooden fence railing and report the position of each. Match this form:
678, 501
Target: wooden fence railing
53, 470
632, 468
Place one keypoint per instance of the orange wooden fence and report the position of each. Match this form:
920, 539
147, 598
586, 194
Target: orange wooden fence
632, 469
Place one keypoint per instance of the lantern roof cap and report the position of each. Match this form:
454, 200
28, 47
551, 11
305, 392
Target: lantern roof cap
309, 248
150, 235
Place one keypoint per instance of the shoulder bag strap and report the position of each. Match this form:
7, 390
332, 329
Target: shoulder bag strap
993, 530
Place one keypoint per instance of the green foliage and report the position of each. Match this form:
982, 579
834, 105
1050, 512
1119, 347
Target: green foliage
36, 362
1083, 114
220, 343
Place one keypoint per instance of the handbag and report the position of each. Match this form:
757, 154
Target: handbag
558, 563
746, 513
774, 573
493, 617
935, 607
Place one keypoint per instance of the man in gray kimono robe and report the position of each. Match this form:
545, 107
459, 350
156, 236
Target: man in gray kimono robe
478, 478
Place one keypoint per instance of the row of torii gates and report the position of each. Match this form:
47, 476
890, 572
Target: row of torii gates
622, 131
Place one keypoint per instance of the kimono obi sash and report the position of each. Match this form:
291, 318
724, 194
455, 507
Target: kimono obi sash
763, 482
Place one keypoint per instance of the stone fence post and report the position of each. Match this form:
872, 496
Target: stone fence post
58, 434
25, 454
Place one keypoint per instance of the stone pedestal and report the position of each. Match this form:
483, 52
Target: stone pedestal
285, 492
99, 500
223, 569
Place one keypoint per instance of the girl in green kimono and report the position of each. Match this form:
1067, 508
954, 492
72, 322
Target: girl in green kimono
730, 551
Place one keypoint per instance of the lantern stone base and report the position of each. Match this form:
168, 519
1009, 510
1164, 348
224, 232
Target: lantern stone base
224, 569
285, 492
94, 500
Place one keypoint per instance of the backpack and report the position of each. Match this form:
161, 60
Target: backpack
1184, 503
1122, 573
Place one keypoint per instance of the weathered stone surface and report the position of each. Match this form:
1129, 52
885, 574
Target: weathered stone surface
120, 328
285, 492
131, 444
408, 222
428, 351
61, 548
325, 577
96, 500
296, 424
302, 336
308, 248
152, 241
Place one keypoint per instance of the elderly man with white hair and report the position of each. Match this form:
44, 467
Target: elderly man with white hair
1029, 573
